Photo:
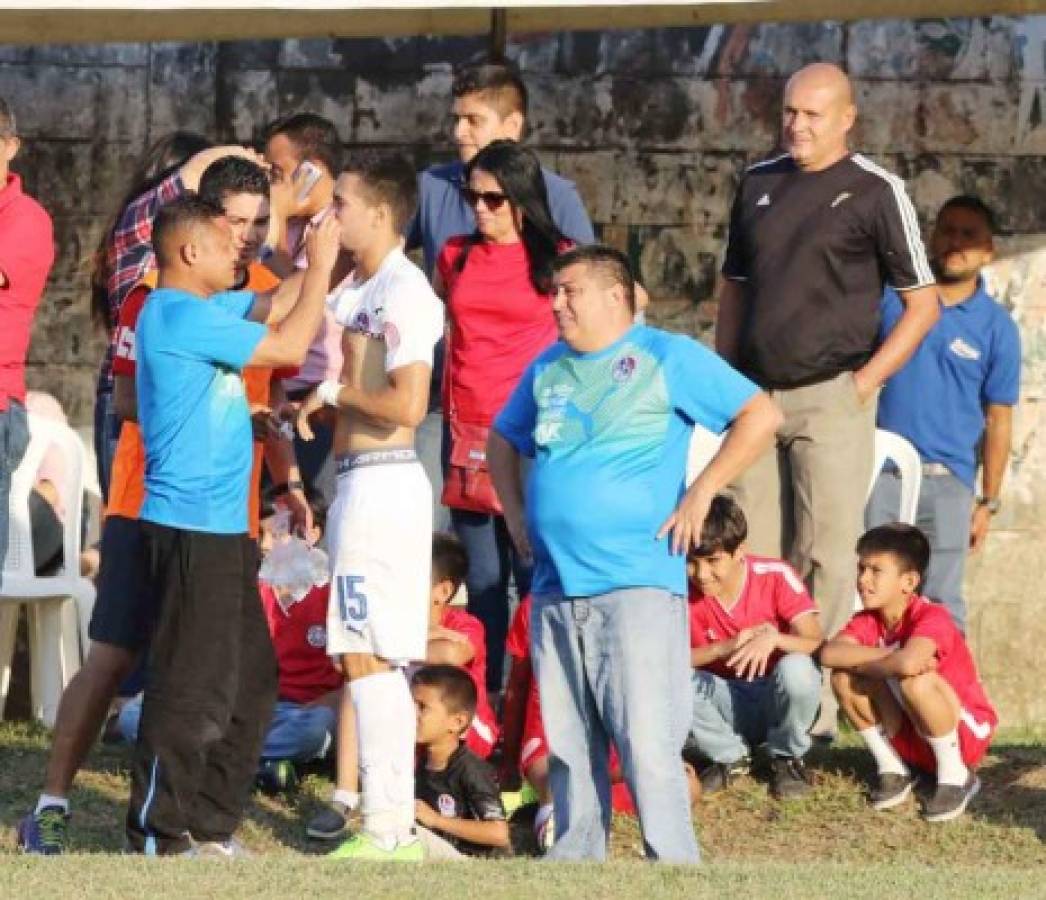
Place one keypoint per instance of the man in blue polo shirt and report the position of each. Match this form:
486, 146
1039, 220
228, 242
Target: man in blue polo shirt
490, 103
963, 381
211, 673
607, 414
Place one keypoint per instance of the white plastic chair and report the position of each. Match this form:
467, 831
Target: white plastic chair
60, 604
703, 446
893, 447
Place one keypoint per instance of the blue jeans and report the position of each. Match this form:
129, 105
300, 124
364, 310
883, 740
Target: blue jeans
296, 732
732, 715
943, 515
615, 668
106, 436
14, 440
492, 559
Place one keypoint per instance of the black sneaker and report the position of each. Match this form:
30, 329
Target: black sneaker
718, 776
45, 832
330, 823
276, 776
890, 790
789, 779
949, 800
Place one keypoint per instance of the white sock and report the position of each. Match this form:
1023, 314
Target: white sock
50, 800
386, 724
348, 799
950, 767
543, 814
886, 757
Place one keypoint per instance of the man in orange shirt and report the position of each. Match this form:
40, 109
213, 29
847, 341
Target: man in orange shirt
124, 613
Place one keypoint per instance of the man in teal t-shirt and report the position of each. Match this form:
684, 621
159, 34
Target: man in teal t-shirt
607, 415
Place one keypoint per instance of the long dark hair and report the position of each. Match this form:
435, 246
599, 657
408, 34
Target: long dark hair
159, 160
518, 173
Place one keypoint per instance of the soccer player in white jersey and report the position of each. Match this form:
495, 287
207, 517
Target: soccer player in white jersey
380, 526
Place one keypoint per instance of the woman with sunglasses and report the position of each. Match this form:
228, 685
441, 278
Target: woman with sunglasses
496, 283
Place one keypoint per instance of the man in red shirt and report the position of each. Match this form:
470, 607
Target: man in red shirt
905, 678
753, 628
26, 255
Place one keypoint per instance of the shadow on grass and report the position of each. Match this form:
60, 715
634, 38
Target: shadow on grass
1013, 781
99, 798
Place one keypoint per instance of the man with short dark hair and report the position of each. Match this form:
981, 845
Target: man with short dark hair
211, 678
814, 232
961, 383
26, 255
607, 414
380, 524
304, 153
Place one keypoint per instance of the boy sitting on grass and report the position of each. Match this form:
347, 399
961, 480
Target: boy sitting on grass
905, 678
455, 638
458, 804
753, 628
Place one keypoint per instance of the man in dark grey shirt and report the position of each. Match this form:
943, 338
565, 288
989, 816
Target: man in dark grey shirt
814, 235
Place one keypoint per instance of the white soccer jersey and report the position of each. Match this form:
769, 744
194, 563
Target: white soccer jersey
396, 304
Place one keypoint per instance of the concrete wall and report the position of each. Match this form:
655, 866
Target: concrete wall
655, 127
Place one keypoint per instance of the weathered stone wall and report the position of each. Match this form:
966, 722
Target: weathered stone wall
655, 127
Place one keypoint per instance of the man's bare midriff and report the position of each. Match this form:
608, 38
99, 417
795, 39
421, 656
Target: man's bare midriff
364, 368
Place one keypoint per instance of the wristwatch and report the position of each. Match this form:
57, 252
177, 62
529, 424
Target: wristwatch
993, 504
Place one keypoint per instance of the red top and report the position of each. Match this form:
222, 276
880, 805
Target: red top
299, 637
499, 323
772, 593
484, 731
924, 618
26, 255
517, 644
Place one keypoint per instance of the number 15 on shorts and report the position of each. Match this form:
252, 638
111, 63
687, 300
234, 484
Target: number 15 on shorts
352, 602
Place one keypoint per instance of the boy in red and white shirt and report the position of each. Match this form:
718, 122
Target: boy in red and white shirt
753, 630
905, 678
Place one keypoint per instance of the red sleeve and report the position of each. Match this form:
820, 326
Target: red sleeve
26, 259
470, 627
124, 357
518, 641
935, 623
863, 628
698, 625
790, 594
448, 255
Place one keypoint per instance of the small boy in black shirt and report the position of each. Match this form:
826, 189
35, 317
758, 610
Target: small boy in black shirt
458, 804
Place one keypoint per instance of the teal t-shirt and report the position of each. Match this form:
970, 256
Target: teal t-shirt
192, 409
609, 432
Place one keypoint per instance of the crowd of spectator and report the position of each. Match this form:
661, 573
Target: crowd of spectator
498, 426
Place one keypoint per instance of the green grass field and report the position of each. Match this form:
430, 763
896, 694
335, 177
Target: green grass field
830, 845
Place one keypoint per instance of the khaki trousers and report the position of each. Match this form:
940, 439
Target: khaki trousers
804, 498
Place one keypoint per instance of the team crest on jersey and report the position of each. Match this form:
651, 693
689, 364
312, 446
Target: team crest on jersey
361, 322
447, 806
316, 636
624, 368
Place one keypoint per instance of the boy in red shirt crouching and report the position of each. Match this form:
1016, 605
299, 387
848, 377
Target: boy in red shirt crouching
753, 628
905, 678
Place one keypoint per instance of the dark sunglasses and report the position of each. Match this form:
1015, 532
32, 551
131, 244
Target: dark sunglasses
491, 199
